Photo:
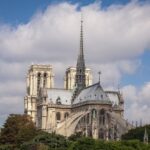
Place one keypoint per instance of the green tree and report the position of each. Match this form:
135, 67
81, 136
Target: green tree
18, 129
83, 144
137, 133
76, 136
50, 141
34, 146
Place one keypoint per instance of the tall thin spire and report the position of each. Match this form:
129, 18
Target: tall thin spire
81, 36
80, 73
145, 139
99, 73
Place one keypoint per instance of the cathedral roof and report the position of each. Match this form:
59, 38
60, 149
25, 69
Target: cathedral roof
113, 96
63, 95
92, 93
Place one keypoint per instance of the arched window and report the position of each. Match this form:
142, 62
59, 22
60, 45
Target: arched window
66, 115
101, 134
102, 112
38, 81
58, 116
44, 79
102, 116
94, 113
87, 118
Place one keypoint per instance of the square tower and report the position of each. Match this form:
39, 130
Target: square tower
38, 76
70, 78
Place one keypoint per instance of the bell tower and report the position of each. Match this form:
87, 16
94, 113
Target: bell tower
38, 76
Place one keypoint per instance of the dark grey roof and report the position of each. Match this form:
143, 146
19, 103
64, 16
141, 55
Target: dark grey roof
92, 93
64, 95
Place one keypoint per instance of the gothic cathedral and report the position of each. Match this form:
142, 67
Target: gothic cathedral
80, 107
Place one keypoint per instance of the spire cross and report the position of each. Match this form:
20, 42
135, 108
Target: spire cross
81, 35
99, 73
81, 17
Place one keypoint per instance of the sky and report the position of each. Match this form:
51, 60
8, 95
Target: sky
116, 42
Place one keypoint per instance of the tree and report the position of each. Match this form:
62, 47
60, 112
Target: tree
18, 129
91, 144
50, 141
76, 136
137, 133
83, 144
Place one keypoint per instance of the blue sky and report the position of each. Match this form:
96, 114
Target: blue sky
119, 46
142, 74
16, 11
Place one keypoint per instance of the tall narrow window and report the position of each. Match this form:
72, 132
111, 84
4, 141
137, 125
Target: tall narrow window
94, 113
38, 81
101, 134
58, 116
44, 80
102, 116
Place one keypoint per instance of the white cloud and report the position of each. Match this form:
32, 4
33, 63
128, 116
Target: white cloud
114, 38
145, 94
12, 88
113, 72
137, 102
113, 34
10, 105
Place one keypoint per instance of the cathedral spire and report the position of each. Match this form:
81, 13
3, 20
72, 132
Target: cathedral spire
80, 73
99, 73
81, 37
145, 139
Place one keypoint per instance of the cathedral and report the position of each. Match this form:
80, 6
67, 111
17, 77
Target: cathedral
78, 107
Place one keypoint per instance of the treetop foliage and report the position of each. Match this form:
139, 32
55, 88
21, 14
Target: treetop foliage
137, 133
17, 129
20, 133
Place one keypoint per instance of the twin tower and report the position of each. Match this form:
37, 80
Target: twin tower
42, 76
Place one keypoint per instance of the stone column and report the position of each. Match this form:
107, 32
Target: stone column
106, 132
94, 130
44, 115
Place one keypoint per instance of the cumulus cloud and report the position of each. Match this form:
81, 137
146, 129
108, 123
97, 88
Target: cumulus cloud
113, 72
137, 102
114, 38
113, 34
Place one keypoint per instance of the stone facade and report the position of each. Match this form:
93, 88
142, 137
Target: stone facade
84, 108
94, 112
39, 76
70, 77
